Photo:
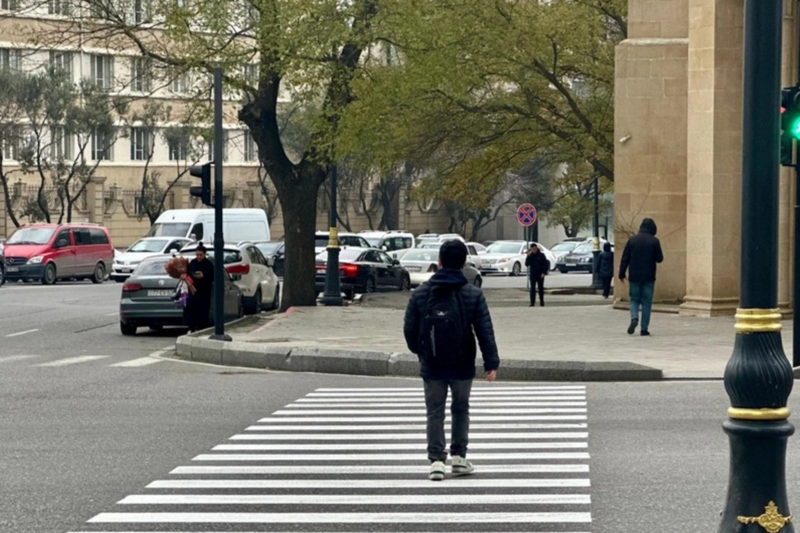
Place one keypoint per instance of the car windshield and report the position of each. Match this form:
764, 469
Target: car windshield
345, 254
147, 246
584, 248
373, 241
268, 248
321, 241
31, 236
152, 267
504, 248
564, 247
169, 229
421, 255
231, 256
430, 245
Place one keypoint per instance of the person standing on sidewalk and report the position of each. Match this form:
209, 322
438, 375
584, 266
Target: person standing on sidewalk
198, 307
538, 267
605, 268
642, 253
442, 319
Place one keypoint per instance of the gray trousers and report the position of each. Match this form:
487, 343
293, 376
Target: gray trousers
435, 401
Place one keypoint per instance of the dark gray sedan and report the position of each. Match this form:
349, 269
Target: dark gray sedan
148, 299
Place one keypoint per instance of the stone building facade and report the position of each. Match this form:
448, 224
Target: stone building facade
678, 125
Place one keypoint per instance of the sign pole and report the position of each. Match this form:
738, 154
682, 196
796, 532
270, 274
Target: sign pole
219, 200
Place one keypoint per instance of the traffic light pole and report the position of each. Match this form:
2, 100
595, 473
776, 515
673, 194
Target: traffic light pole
758, 377
796, 259
219, 238
333, 288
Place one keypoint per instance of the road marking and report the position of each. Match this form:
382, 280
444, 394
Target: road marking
74, 360
421, 395
476, 390
355, 499
496, 418
405, 436
370, 469
420, 400
142, 361
474, 406
16, 358
396, 446
382, 456
340, 518
471, 482
115, 313
422, 412
20, 333
405, 427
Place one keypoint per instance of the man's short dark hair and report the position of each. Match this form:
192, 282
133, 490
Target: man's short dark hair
453, 254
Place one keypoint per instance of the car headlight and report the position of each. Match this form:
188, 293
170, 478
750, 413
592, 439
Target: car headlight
504, 260
586, 260
35, 260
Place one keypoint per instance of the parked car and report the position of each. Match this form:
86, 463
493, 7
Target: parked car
581, 259
389, 241
421, 264
473, 257
125, 262
148, 299
275, 250
252, 273
479, 248
50, 252
564, 247
198, 225
505, 257
365, 271
345, 239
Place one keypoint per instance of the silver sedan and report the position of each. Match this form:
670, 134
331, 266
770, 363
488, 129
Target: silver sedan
423, 263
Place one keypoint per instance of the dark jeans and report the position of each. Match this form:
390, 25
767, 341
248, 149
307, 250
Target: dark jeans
435, 400
606, 285
537, 285
641, 294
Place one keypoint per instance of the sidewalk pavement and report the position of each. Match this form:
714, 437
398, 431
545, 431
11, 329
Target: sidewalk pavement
565, 341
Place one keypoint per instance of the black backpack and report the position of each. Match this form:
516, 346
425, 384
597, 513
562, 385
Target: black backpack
444, 328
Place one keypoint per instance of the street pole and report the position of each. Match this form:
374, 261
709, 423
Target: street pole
219, 239
796, 274
758, 378
333, 287
596, 283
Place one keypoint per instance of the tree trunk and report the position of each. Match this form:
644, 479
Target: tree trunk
8, 201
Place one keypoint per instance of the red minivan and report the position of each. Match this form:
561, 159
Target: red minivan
49, 252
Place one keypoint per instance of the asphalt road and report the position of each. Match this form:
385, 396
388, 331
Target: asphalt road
77, 438
555, 280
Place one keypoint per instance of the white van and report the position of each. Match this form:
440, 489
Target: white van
238, 225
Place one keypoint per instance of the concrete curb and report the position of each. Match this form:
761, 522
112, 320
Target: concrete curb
365, 363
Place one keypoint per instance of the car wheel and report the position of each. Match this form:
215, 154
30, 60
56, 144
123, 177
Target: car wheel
127, 329
405, 284
370, 286
563, 270
478, 282
276, 300
2, 276
516, 269
254, 306
240, 312
99, 275
49, 276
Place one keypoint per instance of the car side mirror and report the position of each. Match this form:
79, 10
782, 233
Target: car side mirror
385, 248
62, 243
471, 264
395, 262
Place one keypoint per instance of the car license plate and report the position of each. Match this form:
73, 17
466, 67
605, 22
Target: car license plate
160, 293
413, 269
125, 270
12, 269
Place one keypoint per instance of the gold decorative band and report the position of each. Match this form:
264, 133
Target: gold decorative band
758, 320
781, 413
333, 238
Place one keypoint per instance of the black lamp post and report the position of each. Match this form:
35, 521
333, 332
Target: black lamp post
333, 287
758, 377
596, 283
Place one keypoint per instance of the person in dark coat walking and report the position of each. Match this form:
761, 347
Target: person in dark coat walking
538, 268
198, 307
454, 374
605, 268
641, 255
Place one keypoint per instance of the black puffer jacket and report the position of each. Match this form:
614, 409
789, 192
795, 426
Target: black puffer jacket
537, 264
477, 314
605, 262
641, 254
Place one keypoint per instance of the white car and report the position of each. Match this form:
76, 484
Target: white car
389, 241
505, 257
474, 258
479, 248
126, 262
350, 240
423, 263
252, 273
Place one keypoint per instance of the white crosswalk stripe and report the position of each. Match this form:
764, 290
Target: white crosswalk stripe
354, 460
142, 361
74, 360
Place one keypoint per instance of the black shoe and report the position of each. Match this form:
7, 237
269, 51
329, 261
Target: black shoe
542, 304
645, 333
632, 327
532, 305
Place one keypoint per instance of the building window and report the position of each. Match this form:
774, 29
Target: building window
141, 11
141, 74
141, 147
59, 7
250, 152
9, 5
180, 83
61, 144
102, 146
62, 61
11, 60
251, 74
103, 71
10, 146
178, 149
224, 147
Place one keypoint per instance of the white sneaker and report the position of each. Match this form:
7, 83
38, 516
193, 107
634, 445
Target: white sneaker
437, 471
460, 466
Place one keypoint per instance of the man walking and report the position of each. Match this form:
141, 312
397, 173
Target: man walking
641, 254
439, 324
538, 267
605, 268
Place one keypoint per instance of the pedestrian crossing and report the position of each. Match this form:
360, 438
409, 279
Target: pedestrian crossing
353, 460
71, 361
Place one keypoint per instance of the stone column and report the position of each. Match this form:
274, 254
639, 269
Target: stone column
650, 134
95, 199
181, 192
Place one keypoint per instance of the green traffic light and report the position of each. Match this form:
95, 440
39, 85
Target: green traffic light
794, 130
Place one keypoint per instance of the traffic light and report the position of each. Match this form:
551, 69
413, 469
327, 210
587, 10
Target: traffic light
790, 123
204, 190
